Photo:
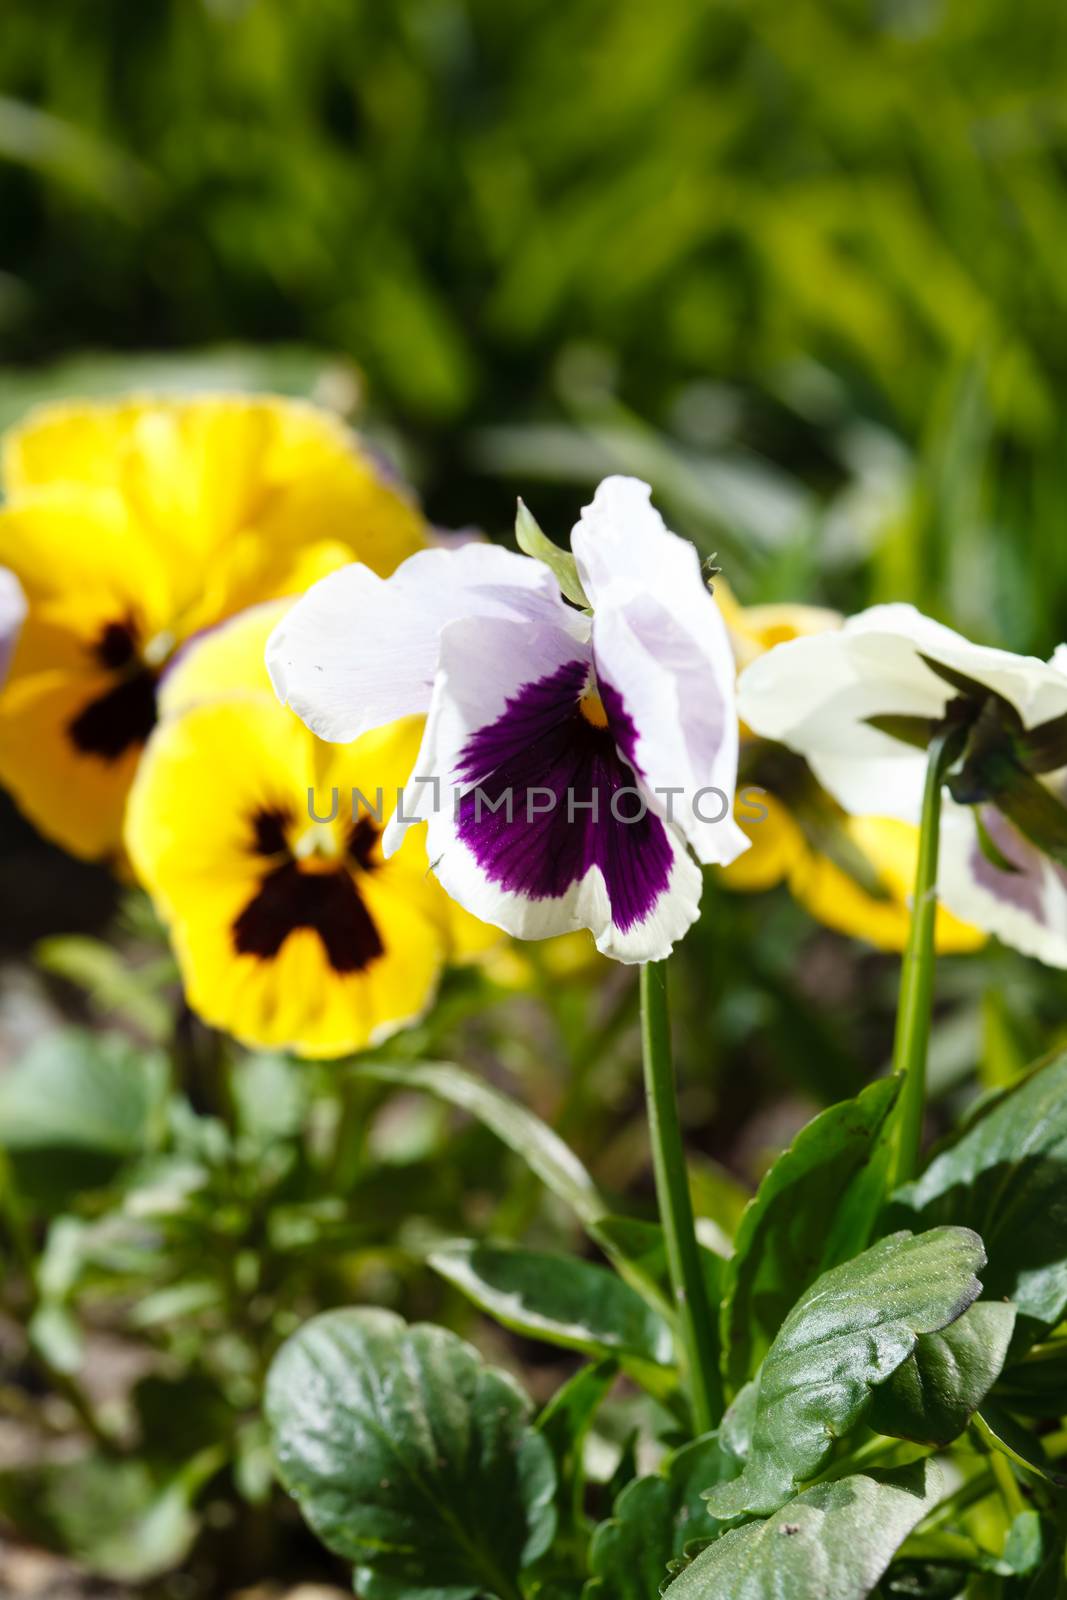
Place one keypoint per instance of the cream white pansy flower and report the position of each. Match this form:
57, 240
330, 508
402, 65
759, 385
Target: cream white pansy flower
574, 763
863, 704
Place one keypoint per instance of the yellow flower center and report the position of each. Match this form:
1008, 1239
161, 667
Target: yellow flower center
592, 708
320, 848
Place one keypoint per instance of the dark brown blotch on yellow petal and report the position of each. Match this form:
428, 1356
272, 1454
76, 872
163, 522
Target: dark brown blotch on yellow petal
328, 903
117, 720
362, 844
123, 716
116, 645
270, 836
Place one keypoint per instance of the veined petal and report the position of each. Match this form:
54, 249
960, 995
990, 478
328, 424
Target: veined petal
817, 694
1025, 907
12, 615
680, 733
551, 830
356, 651
660, 641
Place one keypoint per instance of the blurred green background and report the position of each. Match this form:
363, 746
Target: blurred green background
802, 265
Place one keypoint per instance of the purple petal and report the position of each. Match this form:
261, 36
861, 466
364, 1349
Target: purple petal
543, 742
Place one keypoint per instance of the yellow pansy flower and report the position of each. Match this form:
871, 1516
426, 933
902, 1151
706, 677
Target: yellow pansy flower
131, 527
854, 874
290, 932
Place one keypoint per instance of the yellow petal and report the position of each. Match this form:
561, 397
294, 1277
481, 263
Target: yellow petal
837, 900
167, 516
224, 661
892, 847
777, 844
80, 546
208, 771
205, 775
296, 1001
69, 443
75, 798
754, 630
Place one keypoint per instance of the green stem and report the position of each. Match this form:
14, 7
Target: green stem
917, 973
698, 1332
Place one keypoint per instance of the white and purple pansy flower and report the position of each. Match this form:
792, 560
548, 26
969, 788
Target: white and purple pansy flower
573, 761
12, 616
863, 703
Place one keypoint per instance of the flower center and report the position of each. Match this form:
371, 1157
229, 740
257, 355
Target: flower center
592, 707
320, 848
310, 886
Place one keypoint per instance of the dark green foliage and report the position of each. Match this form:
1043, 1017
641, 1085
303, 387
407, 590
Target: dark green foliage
1006, 1177
848, 1333
834, 1540
783, 1242
411, 1458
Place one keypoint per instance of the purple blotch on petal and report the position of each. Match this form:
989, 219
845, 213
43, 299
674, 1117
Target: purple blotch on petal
1025, 888
542, 741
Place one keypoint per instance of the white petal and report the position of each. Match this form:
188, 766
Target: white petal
684, 720
586, 904
12, 615
468, 700
816, 695
358, 651
659, 640
1026, 909
483, 664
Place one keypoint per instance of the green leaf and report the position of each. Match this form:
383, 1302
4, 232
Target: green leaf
1043, 748
655, 1519
973, 689
1035, 811
1049, 1582
543, 1151
533, 542
116, 1517
639, 1252
1002, 1432
911, 730
801, 1221
559, 1299
77, 1090
1006, 1177
270, 1095
565, 1423
1036, 1386
411, 1458
113, 986
836, 1539
932, 1396
1025, 1546
848, 1332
